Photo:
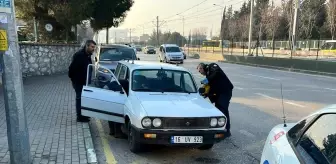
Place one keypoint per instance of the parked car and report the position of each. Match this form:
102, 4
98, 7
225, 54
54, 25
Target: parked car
170, 53
154, 103
138, 48
184, 54
107, 56
149, 50
311, 140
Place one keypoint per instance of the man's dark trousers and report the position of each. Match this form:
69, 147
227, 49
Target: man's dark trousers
78, 89
222, 104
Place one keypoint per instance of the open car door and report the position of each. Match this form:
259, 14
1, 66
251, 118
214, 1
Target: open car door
102, 96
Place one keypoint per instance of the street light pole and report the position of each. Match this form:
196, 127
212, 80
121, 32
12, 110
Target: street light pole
295, 20
250, 29
17, 130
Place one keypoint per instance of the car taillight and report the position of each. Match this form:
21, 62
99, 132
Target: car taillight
277, 136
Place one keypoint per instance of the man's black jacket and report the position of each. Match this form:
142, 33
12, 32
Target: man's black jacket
78, 67
218, 81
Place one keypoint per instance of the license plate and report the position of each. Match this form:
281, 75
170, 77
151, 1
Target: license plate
186, 139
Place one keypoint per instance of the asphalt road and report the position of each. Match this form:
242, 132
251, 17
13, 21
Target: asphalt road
255, 108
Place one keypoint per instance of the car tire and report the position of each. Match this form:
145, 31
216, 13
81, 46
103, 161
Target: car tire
206, 147
133, 145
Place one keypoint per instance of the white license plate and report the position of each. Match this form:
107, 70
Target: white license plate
187, 139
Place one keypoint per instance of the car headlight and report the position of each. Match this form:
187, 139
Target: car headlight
221, 121
213, 122
146, 122
157, 122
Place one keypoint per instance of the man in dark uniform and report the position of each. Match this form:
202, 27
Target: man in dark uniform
78, 72
221, 88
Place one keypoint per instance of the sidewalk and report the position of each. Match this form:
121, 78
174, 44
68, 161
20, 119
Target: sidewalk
55, 136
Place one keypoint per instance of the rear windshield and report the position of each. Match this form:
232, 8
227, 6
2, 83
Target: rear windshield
116, 54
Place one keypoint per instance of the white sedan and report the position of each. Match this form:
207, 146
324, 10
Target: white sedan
312, 140
153, 103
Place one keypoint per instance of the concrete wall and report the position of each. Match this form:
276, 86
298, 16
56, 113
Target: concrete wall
45, 59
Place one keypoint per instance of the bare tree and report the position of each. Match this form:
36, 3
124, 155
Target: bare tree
271, 19
331, 10
243, 26
308, 14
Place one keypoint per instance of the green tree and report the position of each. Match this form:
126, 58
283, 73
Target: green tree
176, 38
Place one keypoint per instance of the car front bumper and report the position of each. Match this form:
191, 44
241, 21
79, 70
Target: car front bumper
164, 137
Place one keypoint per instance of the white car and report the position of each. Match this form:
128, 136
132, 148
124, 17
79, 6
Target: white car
170, 53
155, 104
312, 140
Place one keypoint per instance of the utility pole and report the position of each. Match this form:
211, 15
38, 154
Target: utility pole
157, 31
115, 37
295, 20
107, 35
130, 35
17, 130
183, 30
250, 29
35, 29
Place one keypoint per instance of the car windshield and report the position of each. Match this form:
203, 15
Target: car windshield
173, 49
149, 47
116, 54
161, 80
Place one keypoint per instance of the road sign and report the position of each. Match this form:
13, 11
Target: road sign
48, 27
5, 6
3, 40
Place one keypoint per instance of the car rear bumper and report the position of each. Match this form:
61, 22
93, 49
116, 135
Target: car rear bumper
165, 137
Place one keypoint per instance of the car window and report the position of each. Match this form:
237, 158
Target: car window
102, 78
319, 141
116, 72
122, 73
295, 132
173, 49
116, 54
161, 80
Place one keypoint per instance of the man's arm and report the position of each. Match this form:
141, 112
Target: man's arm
212, 72
73, 65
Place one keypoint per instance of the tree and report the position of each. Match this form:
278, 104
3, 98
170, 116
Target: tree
331, 10
108, 13
176, 38
271, 20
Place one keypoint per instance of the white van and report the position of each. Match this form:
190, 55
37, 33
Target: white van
170, 53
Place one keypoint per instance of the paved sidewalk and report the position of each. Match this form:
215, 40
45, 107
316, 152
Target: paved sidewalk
55, 136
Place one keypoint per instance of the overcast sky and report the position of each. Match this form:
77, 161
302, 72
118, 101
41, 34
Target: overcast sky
142, 16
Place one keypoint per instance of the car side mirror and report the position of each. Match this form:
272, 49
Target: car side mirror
201, 90
138, 58
114, 86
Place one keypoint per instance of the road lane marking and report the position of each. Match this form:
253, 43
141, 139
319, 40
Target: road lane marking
263, 95
291, 103
263, 77
246, 133
239, 88
106, 146
330, 89
287, 102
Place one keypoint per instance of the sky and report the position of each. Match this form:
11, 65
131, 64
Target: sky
197, 14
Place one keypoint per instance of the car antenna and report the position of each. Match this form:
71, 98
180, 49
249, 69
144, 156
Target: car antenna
283, 107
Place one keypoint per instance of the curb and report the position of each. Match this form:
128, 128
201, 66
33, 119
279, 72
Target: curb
90, 151
283, 68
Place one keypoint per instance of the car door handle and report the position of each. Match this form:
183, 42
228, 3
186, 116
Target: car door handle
86, 90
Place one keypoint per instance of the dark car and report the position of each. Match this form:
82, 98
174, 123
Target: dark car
107, 58
138, 48
150, 50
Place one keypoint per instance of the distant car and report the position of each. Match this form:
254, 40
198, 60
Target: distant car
138, 48
184, 54
311, 140
155, 103
170, 53
149, 50
107, 56
129, 45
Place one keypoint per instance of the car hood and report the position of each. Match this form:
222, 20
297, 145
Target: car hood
176, 105
109, 64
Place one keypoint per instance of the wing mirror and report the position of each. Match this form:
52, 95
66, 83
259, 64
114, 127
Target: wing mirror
114, 86
201, 90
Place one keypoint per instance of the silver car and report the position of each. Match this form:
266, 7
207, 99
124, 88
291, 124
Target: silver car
107, 56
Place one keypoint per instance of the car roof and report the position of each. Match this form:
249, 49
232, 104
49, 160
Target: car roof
114, 46
170, 45
137, 64
328, 109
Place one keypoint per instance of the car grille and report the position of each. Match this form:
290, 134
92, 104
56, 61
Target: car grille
186, 123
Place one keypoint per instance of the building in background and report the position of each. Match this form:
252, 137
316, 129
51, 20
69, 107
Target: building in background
144, 38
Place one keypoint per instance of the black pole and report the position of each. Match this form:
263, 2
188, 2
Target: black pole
318, 47
273, 47
231, 45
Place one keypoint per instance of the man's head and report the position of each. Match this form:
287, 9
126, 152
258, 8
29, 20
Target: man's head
90, 46
202, 68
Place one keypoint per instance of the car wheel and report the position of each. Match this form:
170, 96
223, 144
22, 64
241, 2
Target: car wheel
206, 147
133, 145
111, 126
